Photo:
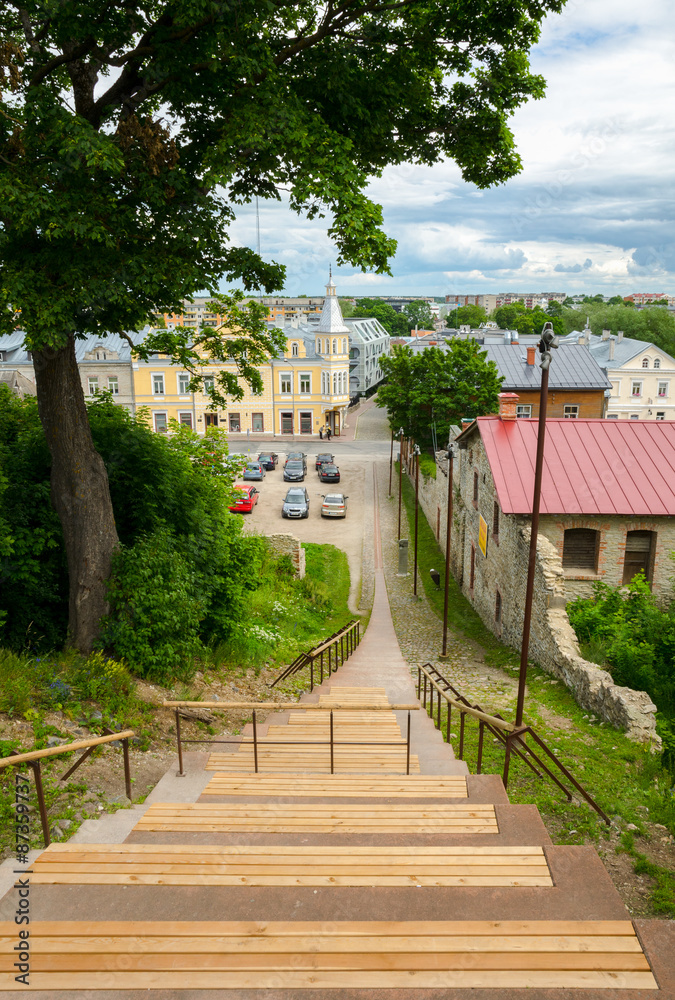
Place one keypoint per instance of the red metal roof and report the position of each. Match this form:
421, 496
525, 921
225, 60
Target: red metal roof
590, 466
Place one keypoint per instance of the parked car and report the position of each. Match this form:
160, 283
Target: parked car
296, 456
329, 474
246, 497
269, 459
255, 471
334, 505
294, 472
296, 503
324, 458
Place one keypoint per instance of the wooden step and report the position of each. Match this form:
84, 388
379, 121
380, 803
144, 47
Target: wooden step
415, 786
162, 864
316, 760
319, 818
175, 955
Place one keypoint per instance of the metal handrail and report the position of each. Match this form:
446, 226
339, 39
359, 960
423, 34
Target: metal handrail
33, 758
351, 632
509, 735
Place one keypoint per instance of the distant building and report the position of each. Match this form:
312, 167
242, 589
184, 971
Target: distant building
488, 302
642, 298
530, 299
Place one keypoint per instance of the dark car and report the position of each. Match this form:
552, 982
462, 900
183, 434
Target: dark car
296, 456
296, 503
255, 471
245, 499
324, 458
269, 460
329, 474
294, 472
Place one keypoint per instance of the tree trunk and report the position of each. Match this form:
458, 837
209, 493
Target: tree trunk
79, 488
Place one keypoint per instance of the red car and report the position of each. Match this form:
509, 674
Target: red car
246, 498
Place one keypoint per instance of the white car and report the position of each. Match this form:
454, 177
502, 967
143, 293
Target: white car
334, 505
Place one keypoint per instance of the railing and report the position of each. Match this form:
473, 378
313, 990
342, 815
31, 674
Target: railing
33, 758
334, 646
512, 738
256, 743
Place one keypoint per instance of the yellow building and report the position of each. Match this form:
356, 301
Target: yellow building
305, 390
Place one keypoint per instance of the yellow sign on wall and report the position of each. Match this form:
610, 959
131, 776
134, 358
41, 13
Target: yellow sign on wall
482, 534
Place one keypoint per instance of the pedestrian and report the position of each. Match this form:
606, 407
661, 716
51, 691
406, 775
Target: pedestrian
328, 433
321, 433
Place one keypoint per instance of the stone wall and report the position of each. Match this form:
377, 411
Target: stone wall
289, 545
496, 587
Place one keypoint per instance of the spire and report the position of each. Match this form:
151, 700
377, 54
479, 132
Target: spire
331, 315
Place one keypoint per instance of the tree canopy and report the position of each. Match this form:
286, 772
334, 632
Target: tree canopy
418, 314
518, 317
471, 316
131, 134
435, 388
394, 323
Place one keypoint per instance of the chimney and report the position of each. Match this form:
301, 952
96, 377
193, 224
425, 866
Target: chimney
619, 336
507, 405
531, 354
514, 336
611, 349
605, 334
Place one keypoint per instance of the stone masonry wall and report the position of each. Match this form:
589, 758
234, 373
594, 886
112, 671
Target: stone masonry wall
503, 572
289, 545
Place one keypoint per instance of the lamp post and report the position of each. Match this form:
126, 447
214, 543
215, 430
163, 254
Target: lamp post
416, 454
391, 458
548, 340
448, 539
400, 477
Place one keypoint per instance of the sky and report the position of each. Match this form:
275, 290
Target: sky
592, 210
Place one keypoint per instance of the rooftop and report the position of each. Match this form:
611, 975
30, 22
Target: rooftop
573, 368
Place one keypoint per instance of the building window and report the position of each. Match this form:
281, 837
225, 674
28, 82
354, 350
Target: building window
113, 385
235, 422
657, 362
93, 385
286, 383
645, 362
305, 382
570, 412
612, 416
335, 383
523, 411
334, 345
157, 385
580, 549
257, 423
498, 608
183, 384
635, 416
327, 348
160, 423
495, 522
475, 487
210, 419
663, 389
636, 388
660, 414
305, 423
209, 384
185, 419
639, 555
472, 571
294, 350
286, 423
344, 345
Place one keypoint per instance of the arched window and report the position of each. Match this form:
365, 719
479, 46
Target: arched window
645, 362
657, 362
294, 350
328, 347
344, 345
335, 383
334, 345
318, 347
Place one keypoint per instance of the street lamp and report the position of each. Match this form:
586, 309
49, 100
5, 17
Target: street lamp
416, 454
548, 341
391, 459
448, 539
400, 477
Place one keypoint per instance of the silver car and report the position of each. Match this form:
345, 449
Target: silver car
334, 505
296, 503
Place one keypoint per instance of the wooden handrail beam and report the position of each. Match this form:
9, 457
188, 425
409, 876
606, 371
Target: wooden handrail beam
281, 706
477, 714
53, 751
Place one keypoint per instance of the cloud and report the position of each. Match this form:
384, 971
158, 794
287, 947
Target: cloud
574, 268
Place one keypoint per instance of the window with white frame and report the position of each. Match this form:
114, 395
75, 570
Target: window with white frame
660, 414
344, 345
334, 345
305, 382
663, 389
635, 416
645, 362
113, 385
524, 410
157, 384
657, 362
335, 383
612, 416
161, 422
570, 412
209, 382
327, 349
286, 383
294, 350
636, 388
183, 383
93, 385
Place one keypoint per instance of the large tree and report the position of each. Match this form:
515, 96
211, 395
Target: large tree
131, 132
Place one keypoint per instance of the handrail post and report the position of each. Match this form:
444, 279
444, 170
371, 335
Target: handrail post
332, 762
321, 666
461, 735
127, 769
181, 772
425, 690
507, 761
447, 734
431, 701
438, 711
330, 670
255, 743
481, 726
311, 674
407, 748
37, 774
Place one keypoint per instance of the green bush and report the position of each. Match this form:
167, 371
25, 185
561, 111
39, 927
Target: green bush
427, 466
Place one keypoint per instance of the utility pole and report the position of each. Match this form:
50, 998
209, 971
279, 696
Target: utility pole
416, 454
448, 539
400, 477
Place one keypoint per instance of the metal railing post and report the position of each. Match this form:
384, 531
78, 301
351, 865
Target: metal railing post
481, 726
255, 743
407, 748
322, 666
181, 772
438, 711
311, 674
330, 670
127, 769
419, 681
332, 761
37, 774
447, 734
461, 735
507, 761
425, 690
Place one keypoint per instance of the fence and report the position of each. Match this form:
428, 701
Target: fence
334, 646
33, 758
512, 738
